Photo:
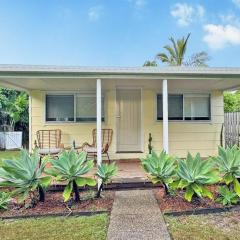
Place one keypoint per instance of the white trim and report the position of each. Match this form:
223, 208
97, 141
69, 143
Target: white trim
165, 115
30, 123
99, 124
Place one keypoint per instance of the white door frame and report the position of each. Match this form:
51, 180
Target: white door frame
141, 108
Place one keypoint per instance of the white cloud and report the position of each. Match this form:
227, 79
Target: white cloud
219, 36
230, 18
236, 2
186, 14
94, 13
138, 3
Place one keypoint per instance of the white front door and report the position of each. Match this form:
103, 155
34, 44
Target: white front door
128, 120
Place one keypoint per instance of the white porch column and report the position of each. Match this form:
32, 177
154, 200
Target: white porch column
30, 123
99, 125
165, 115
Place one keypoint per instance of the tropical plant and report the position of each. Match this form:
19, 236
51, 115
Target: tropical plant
149, 63
228, 161
195, 174
105, 172
70, 168
161, 168
25, 175
4, 200
227, 196
176, 52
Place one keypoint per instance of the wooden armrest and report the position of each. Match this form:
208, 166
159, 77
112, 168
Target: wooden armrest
86, 144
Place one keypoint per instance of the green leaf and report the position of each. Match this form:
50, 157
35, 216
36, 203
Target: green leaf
188, 194
207, 193
236, 186
228, 178
45, 181
67, 191
91, 182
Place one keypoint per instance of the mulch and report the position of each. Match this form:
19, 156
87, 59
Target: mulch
177, 203
54, 204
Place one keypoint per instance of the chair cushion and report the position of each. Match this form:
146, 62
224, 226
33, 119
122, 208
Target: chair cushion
45, 151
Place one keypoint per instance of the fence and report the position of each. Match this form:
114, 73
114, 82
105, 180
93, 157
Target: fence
231, 129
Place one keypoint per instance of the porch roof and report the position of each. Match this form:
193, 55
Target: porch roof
28, 77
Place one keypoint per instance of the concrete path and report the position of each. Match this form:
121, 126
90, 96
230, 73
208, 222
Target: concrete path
136, 216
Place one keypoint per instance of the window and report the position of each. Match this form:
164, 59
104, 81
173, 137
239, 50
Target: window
86, 108
59, 108
185, 107
72, 107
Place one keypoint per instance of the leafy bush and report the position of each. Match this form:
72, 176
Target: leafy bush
25, 175
162, 168
69, 167
105, 172
4, 200
194, 174
227, 196
228, 161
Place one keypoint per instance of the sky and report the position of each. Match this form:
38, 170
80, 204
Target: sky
116, 32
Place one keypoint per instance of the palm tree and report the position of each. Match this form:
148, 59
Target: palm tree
175, 55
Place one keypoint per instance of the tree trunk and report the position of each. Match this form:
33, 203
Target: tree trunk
41, 193
165, 188
98, 195
76, 192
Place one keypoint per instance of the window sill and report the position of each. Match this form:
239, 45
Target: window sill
188, 121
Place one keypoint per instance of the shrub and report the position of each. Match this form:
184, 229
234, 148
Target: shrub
25, 175
105, 172
227, 196
162, 168
194, 174
70, 168
4, 200
228, 161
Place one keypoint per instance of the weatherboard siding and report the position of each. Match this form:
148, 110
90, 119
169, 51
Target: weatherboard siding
203, 137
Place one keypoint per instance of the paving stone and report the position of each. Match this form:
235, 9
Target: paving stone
136, 215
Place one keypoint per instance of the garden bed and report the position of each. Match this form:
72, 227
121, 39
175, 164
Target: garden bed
54, 205
177, 205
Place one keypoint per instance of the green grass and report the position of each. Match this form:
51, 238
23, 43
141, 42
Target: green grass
8, 154
213, 226
69, 228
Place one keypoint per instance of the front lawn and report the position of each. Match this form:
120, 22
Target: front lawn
8, 154
225, 226
71, 228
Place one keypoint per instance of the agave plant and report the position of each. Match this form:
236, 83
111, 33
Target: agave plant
227, 196
228, 161
195, 174
162, 168
25, 175
4, 200
70, 168
105, 172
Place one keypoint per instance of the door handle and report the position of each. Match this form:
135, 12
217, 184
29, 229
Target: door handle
118, 116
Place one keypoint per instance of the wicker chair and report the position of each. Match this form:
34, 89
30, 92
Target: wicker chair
49, 142
91, 149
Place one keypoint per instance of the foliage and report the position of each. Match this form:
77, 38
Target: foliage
194, 174
227, 196
149, 63
105, 172
25, 175
14, 108
162, 168
70, 168
228, 161
4, 200
176, 52
232, 101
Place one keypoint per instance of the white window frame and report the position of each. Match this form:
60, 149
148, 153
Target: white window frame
74, 93
185, 121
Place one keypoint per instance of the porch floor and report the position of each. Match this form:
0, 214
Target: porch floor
129, 171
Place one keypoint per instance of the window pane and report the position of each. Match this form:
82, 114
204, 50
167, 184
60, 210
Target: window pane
197, 106
175, 107
60, 108
86, 108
